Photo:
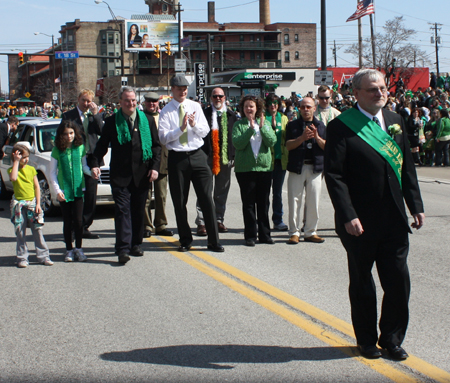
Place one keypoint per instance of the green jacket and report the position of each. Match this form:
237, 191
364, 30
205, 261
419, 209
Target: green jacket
443, 128
244, 160
284, 151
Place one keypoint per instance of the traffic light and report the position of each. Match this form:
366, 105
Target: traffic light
157, 51
20, 58
168, 51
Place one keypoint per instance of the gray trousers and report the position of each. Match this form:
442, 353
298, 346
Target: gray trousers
42, 252
222, 183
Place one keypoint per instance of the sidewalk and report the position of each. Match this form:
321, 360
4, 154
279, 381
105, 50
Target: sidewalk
440, 175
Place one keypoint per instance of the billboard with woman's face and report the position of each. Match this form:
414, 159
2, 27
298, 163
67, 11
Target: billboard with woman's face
145, 35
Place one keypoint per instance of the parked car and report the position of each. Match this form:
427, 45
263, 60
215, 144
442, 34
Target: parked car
40, 134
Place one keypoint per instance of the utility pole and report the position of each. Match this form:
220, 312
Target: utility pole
334, 54
437, 40
359, 39
323, 34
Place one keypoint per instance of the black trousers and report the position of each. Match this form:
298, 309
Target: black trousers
72, 213
184, 168
255, 191
389, 255
90, 200
129, 216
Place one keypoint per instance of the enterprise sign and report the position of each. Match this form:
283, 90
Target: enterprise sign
266, 76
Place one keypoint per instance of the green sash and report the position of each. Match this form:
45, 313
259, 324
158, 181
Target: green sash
377, 138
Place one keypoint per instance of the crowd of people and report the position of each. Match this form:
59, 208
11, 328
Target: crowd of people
362, 140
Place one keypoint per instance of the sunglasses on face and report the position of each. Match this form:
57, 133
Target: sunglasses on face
218, 96
324, 98
273, 103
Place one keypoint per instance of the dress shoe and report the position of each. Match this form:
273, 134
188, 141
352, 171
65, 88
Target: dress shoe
184, 248
165, 233
397, 352
222, 228
87, 234
293, 240
136, 251
249, 242
147, 233
123, 258
268, 241
201, 231
314, 238
218, 248
369, 352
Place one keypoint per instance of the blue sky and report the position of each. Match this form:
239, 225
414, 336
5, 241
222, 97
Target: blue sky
21, 18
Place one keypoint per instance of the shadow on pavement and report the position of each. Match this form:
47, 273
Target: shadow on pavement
225, 356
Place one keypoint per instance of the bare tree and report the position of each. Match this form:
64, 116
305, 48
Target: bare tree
395, 56
109, 94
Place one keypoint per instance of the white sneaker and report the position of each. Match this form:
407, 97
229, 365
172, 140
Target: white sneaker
79, 254
22, 264
48, 262
69, 256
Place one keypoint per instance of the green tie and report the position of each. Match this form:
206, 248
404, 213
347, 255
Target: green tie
183, 137
85, 126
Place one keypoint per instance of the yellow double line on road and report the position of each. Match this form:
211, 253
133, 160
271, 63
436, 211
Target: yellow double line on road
321, 333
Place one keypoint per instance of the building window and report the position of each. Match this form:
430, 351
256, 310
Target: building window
198, 56
242, 55
296, 38
252, 38
241, 38
297, 56
286, 39
110, 38
252, 55
258, 56
286, 56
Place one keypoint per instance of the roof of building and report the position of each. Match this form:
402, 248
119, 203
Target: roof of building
152, 17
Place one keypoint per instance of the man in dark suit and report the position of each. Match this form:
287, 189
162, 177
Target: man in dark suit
225, 156
369, 173
135, 159
90, 123
6, 130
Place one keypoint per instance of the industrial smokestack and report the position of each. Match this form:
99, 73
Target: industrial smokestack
264, 12
211, 12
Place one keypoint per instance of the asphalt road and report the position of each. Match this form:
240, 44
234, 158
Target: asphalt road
273, 313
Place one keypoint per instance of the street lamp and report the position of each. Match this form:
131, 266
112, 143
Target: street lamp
54, 64
122, 49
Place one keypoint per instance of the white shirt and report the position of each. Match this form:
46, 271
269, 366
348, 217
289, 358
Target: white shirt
256, 139
82, 116
169, 129
379, 115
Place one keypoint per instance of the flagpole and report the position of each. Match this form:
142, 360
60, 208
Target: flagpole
372, 38
359, 39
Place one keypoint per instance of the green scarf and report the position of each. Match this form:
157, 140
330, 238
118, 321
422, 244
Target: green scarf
224, 130
377, 138
278, 133
124, 136
72, 172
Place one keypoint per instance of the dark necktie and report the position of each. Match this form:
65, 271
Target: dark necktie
377, 121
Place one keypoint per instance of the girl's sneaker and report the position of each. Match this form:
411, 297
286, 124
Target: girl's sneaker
69, 256
79, 254
22, 264
47, 262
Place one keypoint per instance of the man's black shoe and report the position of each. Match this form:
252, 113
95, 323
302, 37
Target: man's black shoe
136, 251
269, 241
397, 353
184, 248
369, 352
87, 234
147, 233
165, 233
218, 248
123, 258
249, 242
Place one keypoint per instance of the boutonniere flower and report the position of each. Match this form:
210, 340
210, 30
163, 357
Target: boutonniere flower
395, 129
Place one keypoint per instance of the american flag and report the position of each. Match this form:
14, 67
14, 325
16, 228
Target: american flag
364, 7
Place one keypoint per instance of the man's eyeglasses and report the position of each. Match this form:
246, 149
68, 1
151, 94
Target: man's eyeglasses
324, 98
218, 96
382, 89
273, 103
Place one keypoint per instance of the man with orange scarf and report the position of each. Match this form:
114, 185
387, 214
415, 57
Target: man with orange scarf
220, 153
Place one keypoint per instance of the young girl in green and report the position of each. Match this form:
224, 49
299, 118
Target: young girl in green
67, 165
25, 207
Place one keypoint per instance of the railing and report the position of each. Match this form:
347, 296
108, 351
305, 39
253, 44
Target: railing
238, 45
217, 64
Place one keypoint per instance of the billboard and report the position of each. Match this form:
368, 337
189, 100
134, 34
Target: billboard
144, 35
